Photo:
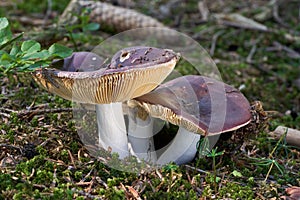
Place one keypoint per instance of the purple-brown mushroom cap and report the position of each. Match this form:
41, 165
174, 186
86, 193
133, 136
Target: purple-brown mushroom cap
132, 72
190, 101
79, 62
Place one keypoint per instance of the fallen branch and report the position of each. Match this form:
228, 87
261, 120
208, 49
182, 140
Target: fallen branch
292, 135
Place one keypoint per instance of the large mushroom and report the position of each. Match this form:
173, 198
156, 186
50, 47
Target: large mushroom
132, 72
197, 104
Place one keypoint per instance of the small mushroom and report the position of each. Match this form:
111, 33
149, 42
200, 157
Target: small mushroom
197, 104
132, 72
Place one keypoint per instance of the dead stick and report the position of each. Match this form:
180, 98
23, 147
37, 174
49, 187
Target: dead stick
292, 135
214, 42
250, 55
43, 111
202, 7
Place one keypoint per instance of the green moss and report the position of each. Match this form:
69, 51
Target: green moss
235, 191
6, 182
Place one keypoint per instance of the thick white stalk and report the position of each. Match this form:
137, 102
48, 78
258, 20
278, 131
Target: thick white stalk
182, 149
111, 128
140, 136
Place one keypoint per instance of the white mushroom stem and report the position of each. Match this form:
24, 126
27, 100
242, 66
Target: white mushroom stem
113, 135
111, 128
140, 136
182, 149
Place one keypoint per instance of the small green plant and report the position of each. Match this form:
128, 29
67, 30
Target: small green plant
17, 56
270, 161
84, 25
213, 153
203, 150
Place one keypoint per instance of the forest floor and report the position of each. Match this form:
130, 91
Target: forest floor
42, 156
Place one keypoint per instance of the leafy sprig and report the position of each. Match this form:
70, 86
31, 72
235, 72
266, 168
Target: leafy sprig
25, 56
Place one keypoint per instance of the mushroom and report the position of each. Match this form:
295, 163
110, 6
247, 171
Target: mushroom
197, 104
132, 72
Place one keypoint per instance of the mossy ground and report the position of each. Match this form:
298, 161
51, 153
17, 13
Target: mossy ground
42, 157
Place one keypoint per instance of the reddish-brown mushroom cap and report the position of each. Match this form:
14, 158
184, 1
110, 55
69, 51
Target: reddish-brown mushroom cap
189, 101
132, 72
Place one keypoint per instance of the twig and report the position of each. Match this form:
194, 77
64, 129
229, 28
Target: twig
34, 21
197, 169
12, 147
292, 53
72, 158
277, 17
203, 10
250, 55
135, 194
5, 115
83, 183
214, 41
253, 50
7, 110
239, 21
99, 180
3, 161
86, 176
89, 196
30, 113
53, 184
39, 186
48, 12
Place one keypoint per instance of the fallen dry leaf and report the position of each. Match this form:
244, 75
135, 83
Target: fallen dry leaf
293, 192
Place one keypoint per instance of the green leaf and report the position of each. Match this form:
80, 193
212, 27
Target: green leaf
30, 46
38, 64
236, 173
58, 50
42, 55
3, 23
203, 147
91, 27
5, 32
11, 41
6, 57
2, 52
219, 153
15, 50
212, 179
